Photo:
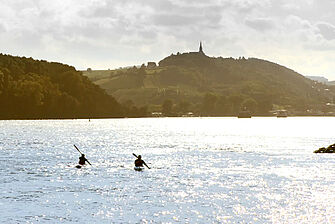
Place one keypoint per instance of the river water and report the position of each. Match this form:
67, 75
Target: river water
204, 170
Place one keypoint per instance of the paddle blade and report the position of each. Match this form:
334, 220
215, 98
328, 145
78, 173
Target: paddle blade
147, 166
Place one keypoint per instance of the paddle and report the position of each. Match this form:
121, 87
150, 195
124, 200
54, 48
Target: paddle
82, 154
143, 161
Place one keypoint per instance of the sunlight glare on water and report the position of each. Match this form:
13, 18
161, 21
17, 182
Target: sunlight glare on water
204, 170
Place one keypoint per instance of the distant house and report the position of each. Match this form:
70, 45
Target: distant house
318, 79
151, 65
157, 114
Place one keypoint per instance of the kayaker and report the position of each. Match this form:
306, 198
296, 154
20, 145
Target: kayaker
82, 159
139, 162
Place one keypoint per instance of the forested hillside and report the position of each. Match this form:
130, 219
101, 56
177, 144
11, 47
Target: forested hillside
216, 86
39, 89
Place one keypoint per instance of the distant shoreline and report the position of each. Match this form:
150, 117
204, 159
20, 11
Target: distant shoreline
100, 118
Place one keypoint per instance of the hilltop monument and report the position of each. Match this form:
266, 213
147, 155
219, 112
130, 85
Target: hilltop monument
200, 48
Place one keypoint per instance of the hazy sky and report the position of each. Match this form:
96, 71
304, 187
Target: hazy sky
104, 34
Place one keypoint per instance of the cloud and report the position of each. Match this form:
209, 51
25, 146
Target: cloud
261, 24
175, 20
294, 23
248, 5
108, 33
327, 30
2, 28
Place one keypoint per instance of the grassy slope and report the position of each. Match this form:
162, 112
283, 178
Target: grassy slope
190, 76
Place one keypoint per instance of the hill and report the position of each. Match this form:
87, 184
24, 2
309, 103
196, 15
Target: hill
216, 86
39, 89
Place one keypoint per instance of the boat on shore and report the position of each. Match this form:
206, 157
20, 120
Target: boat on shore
281, 113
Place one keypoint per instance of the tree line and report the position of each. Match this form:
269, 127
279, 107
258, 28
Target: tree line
37, 89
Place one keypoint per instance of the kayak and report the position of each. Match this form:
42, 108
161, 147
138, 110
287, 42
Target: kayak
79, 166
139, 168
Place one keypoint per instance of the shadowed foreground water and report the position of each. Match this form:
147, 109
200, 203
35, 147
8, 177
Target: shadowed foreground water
204, 170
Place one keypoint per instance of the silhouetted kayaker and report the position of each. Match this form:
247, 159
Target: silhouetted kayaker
82, 159
139, 162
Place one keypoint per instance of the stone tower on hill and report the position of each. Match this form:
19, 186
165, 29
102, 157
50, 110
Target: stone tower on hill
200, 48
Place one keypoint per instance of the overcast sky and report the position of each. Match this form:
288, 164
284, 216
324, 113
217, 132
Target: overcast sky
104, 34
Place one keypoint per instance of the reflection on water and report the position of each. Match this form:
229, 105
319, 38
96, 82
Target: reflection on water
204, 170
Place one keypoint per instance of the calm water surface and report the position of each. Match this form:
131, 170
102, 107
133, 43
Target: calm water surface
204, 170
